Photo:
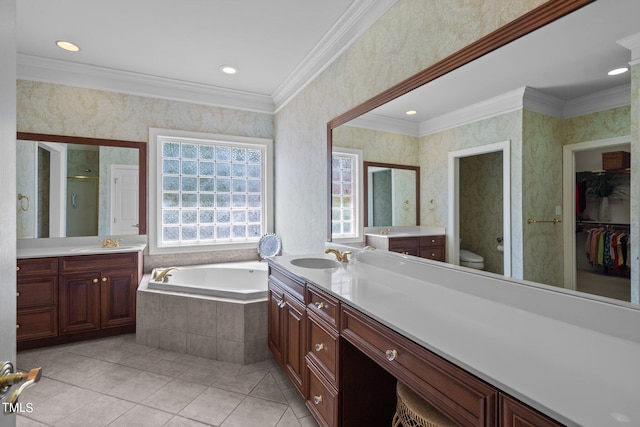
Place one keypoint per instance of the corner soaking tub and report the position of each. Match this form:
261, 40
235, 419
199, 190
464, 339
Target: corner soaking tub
240, 280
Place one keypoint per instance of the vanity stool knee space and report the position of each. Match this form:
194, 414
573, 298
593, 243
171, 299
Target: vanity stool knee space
413, 411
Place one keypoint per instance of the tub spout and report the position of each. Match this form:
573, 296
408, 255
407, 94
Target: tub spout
163, 275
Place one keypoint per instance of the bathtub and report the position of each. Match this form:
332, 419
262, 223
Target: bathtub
239, 280
215, 311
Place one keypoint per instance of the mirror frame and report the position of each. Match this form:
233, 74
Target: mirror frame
142, 162
365, 181
529, 22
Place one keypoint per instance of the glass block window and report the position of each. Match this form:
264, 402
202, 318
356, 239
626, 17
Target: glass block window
210, 192
344, 194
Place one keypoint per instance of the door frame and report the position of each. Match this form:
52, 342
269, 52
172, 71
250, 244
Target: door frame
568, 200
453, 215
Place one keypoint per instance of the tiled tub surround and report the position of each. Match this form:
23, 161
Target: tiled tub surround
215, 328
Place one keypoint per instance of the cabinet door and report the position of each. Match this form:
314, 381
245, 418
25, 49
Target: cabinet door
294, 315
118, 298
276, 303
79, 302
516, 414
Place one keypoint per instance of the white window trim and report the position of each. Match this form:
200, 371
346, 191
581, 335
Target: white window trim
359, 199
155, 178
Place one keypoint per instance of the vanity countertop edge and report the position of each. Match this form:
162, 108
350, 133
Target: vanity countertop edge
573, 373
73, 246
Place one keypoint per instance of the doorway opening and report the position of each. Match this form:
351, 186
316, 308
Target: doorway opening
597, 218
480, 200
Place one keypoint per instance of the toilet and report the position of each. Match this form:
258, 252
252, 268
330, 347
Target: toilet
471, 260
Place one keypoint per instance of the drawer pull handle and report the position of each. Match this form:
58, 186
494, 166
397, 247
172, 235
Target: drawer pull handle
17, 294
95, 280
433, 240
319, 305
433, 255
281, 304
18, 268
104, 279
391, 355
319, 347
317, 399
18, 326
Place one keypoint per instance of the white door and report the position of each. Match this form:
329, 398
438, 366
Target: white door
124, 199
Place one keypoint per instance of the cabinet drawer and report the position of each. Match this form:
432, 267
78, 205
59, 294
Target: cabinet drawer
435, 253
432, 240
516, 414
288, 281
84, 263
322, 348
402, 243
37, 291
323, 399
456, 393
37, 323
323, 305
37, 266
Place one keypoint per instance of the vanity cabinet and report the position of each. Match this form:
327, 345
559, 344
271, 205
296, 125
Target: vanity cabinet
286, 319
37, 298
98, 291
430, 247
69, 298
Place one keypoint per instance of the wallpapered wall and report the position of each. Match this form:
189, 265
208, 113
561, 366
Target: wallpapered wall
411, 36
64, 110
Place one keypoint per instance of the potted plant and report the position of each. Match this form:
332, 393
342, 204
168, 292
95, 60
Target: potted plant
602, 186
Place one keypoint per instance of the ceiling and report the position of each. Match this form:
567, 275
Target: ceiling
139, 46
563, 64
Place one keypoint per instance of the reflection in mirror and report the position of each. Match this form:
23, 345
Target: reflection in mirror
71, 187
543, 93
391, 196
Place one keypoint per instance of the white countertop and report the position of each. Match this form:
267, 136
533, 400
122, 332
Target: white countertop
562, 363
36, 248
405, 231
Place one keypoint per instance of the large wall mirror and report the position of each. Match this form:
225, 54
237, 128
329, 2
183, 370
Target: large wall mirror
539, 90
72, 186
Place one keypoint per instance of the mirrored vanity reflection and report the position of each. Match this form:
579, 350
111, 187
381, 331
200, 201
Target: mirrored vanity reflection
72, 187
498, 136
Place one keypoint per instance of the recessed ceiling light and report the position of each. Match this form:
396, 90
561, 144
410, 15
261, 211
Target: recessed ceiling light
411, 112
618, 71
67, 46
228, 69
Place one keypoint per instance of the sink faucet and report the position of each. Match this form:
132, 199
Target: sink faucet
25, 381
163, 275
340, 256
110, 243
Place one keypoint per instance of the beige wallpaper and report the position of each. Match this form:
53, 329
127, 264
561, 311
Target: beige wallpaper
411, 36
64, 110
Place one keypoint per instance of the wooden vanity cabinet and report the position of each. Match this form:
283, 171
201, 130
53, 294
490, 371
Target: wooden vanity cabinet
37, 298
70, 298
430, 247
286, 331
98, 291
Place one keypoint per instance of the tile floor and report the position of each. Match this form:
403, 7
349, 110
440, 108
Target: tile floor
116, 382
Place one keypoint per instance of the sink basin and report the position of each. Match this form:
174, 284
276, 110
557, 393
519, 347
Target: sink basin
319, 263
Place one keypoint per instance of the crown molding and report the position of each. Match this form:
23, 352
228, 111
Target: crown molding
604, 100
351, 25
88, 76
633, 44
386, 124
